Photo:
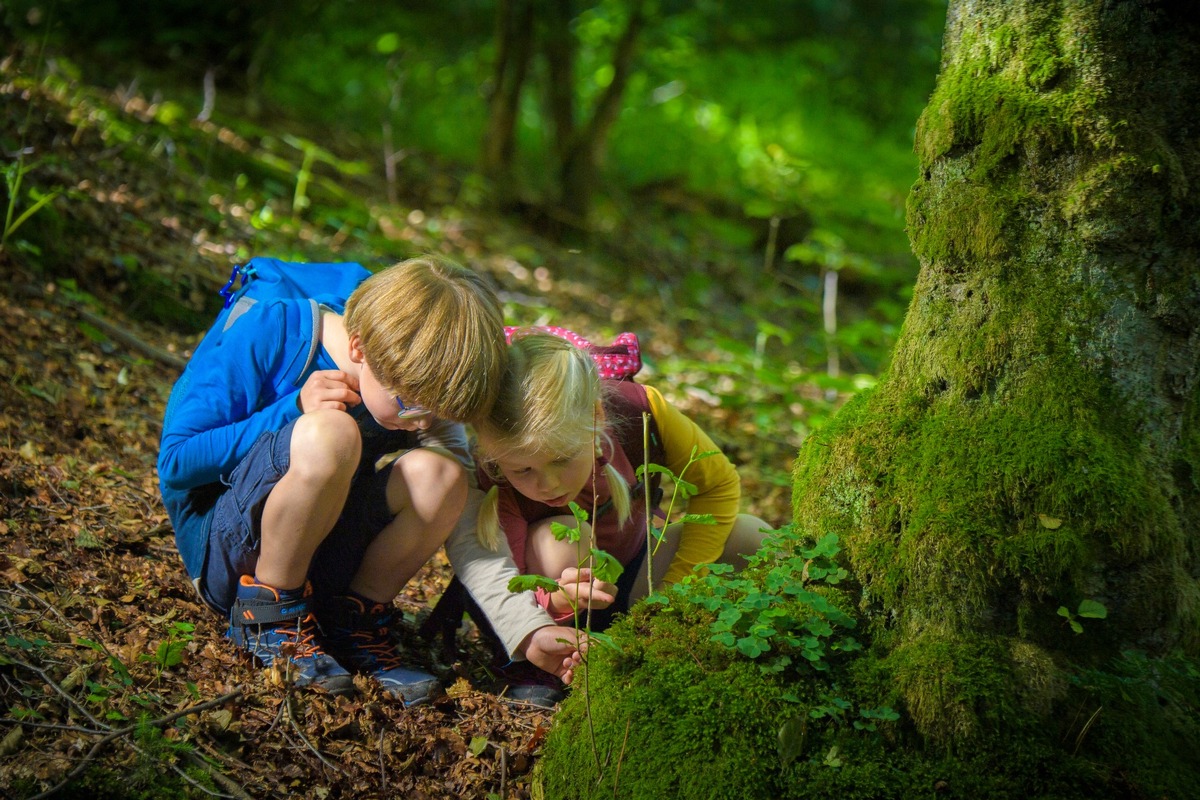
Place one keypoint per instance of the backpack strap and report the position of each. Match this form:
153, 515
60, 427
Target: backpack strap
626, 403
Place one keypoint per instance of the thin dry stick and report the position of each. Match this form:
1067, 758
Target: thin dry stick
112, 735
382, 768
307, 743
587, 673
646, 494
1087, 727
621, 757
235, 789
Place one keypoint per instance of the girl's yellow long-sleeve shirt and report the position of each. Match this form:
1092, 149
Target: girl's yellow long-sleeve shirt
718, 488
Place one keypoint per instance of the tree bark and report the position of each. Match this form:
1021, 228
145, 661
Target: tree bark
1035, 442
514, 50
581, 151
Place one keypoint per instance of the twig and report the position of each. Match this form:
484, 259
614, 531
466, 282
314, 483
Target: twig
112, 735
110, 328
170, 359
382, 769
503, 771
82, 709
234, 788
299, 732
621, 758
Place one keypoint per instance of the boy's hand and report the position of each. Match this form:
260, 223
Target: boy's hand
556, 649
578, 589
328, 388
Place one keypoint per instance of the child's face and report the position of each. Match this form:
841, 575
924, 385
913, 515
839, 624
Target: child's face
383, 405
551, 478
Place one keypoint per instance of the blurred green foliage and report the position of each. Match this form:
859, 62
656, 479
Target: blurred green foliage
797, 113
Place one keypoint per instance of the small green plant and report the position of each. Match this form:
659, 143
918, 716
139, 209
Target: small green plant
169, 652
1088, 609
14, 174
602, 564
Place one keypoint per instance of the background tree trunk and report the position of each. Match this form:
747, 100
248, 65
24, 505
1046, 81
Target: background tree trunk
1036, 440
581, 152
577, 149
514, 49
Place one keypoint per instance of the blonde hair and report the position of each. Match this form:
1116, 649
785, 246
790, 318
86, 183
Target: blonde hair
546, 403
433, 334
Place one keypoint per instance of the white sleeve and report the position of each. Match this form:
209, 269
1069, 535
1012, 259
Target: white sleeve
486, 573
442, 434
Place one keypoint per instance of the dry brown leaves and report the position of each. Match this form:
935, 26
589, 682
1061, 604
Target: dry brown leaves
96, 613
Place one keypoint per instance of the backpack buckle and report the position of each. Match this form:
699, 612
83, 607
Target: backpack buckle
227, 291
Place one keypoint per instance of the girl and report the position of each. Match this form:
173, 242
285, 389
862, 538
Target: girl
559, 433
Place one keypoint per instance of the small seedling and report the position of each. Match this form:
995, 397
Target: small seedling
1089, 609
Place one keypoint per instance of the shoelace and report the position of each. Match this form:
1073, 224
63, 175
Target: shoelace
303, 638
378, 643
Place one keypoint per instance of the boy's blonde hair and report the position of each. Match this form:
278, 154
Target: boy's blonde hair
432, 332
546, 403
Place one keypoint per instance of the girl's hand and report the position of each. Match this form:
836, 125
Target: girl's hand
556, 649
328, 388
577, 588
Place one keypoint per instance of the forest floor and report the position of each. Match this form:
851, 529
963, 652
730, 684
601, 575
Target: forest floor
114, 678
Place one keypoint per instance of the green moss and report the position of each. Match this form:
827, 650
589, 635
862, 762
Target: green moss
684, 701
1004, 87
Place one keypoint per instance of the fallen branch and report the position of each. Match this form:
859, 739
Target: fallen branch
109, 328
117, 733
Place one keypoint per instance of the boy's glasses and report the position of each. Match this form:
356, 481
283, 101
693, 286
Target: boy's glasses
408, 412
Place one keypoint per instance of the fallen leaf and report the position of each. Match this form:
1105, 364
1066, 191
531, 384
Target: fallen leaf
1051, 523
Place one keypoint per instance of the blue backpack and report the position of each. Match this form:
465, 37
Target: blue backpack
269, 279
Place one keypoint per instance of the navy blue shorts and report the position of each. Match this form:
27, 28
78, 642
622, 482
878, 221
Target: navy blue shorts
235, 532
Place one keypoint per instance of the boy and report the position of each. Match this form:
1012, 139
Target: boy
312, 461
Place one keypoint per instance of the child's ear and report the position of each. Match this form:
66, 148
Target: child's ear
354, 343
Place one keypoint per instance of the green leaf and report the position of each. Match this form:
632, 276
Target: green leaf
685, 489
792, 737
699, 519
726, 638
653, 468
564, 533
527, 583
752, 646
1092, 609
605, 567
387, 44
478, 745
578, 513
604, 640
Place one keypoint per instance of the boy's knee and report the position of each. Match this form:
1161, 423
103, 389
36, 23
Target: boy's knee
326, 440
430, 477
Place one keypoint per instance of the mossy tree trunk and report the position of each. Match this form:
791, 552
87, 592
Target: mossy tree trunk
1036, 440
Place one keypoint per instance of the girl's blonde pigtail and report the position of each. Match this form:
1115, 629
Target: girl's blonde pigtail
619, 490
487, 525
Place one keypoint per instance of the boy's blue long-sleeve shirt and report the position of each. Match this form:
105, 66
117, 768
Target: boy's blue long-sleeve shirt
238, 385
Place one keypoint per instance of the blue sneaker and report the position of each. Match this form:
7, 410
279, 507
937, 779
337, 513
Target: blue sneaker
283, 633
363, 638
525, 683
